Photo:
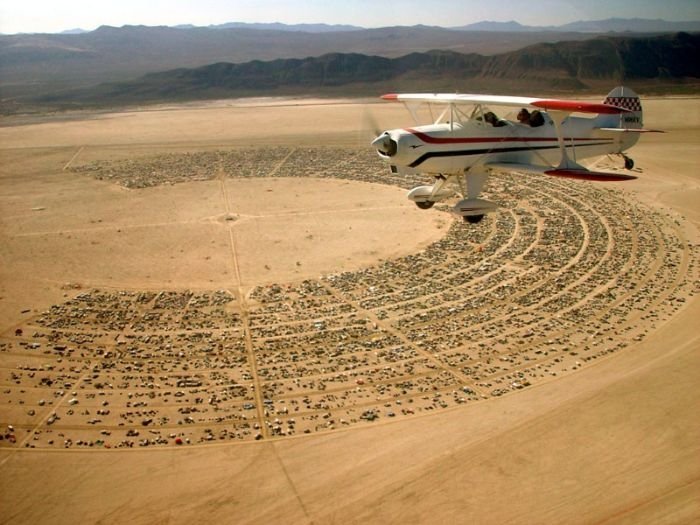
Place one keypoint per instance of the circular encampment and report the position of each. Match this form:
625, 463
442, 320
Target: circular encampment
318, 298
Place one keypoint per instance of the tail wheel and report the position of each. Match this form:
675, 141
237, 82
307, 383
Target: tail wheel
629, 163
473, 219
425, 205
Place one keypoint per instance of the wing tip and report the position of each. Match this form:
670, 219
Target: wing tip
580, 107
390, 96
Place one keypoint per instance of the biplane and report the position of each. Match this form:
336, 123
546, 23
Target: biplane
468, 141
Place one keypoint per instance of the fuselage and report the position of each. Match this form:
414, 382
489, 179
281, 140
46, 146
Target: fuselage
453, 148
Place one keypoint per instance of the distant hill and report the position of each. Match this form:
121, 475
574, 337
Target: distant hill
610, 25
618, 59
630, 25
604, 61
486, 25
76, 31
277, 26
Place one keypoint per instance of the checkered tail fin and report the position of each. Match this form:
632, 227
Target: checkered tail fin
624, 97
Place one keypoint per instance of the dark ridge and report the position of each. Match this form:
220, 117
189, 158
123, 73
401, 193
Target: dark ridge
574, 66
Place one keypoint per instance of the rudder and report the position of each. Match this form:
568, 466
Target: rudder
624, 97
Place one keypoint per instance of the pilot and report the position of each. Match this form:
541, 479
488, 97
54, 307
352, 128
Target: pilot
492, 119
536, 119
524, 117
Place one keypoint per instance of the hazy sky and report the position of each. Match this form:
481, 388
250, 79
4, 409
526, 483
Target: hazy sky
58, 15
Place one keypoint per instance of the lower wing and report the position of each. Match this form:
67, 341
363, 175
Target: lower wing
567, 173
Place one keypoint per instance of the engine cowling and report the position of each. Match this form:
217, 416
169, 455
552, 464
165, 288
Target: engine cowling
386, 145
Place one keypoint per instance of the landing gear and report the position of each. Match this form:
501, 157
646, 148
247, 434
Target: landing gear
473, 219
629, 163
425, 197
471, 208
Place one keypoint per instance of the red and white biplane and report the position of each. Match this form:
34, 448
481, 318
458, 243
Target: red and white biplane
468, 141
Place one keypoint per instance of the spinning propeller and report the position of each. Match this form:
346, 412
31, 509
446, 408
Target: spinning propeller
381, 139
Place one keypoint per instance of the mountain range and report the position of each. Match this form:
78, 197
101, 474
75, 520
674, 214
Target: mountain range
609, 25
575, 65
36, 64
277, 26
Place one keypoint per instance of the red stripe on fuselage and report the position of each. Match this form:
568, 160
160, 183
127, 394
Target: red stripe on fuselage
476, 140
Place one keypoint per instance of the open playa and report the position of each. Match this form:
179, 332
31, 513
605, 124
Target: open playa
229, 312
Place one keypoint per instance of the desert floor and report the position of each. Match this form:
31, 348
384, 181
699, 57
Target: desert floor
616, 440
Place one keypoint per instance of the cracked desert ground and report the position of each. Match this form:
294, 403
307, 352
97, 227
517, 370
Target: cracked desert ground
540, 367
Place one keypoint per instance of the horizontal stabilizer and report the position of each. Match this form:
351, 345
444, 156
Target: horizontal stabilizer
598, 176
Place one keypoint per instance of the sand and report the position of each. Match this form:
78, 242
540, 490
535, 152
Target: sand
615, 441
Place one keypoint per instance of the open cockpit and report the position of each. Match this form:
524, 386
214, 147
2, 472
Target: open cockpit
481, 115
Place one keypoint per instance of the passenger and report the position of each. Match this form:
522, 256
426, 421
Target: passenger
524, 117
536, 119
492, 119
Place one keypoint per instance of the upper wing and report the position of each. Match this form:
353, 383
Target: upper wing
453, 98
568, 106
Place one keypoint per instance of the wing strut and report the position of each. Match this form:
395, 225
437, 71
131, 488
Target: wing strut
558, 117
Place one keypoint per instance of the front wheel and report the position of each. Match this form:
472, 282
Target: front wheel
425, 205
629, 163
